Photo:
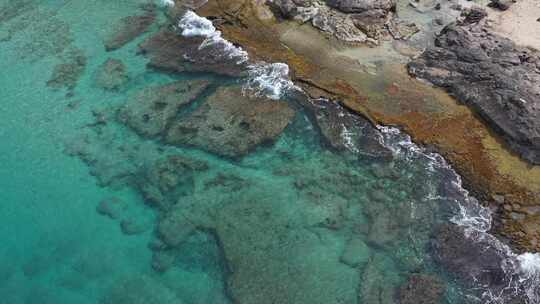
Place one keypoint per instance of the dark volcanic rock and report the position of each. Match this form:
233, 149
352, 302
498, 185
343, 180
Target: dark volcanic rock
480, 262
128, 29
343, 130
111, 75
170, 51
471, 261
358, 6
498, 79
501, 4
421, 289
151, 110
473, 15
230, 123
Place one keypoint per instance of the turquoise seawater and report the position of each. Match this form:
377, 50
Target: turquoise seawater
293, 221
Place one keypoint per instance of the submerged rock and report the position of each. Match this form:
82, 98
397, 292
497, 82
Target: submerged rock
275, 262
378, 284
231, 124
421, 289
163, 260
151, 110
112, 75
356, 253
175, 229
492, 75
140, 290
134, 226
169, 179
67, 74
112, 207
128, 29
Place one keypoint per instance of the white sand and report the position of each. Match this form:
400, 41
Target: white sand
519, 23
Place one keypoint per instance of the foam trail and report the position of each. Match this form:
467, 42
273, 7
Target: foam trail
268, 79
193, 25
522, 271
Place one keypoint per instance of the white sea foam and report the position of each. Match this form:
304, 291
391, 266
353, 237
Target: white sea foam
269, 79
529, 263
348, 139
193, 25
167, 3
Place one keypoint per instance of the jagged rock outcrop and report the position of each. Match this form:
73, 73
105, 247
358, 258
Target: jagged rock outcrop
493, 76
359, 6
354, 21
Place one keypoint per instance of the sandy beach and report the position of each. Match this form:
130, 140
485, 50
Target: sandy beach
519, 23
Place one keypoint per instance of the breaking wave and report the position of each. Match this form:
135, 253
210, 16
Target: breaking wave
522, 271
193, 25
268, 79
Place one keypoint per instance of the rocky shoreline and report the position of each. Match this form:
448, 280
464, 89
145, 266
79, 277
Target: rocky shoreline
323, 65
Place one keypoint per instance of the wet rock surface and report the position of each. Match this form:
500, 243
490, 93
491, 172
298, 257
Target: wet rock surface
170, 51
151, 110
112, 75
343, 130
476, 259
492, 75
469, 260
230, 123
129, 28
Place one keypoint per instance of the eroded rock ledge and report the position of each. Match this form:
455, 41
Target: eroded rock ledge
489, 73
352, 21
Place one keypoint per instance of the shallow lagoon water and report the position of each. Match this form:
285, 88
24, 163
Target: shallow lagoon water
294, 221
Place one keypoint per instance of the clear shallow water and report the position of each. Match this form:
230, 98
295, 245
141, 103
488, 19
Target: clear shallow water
291, 222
